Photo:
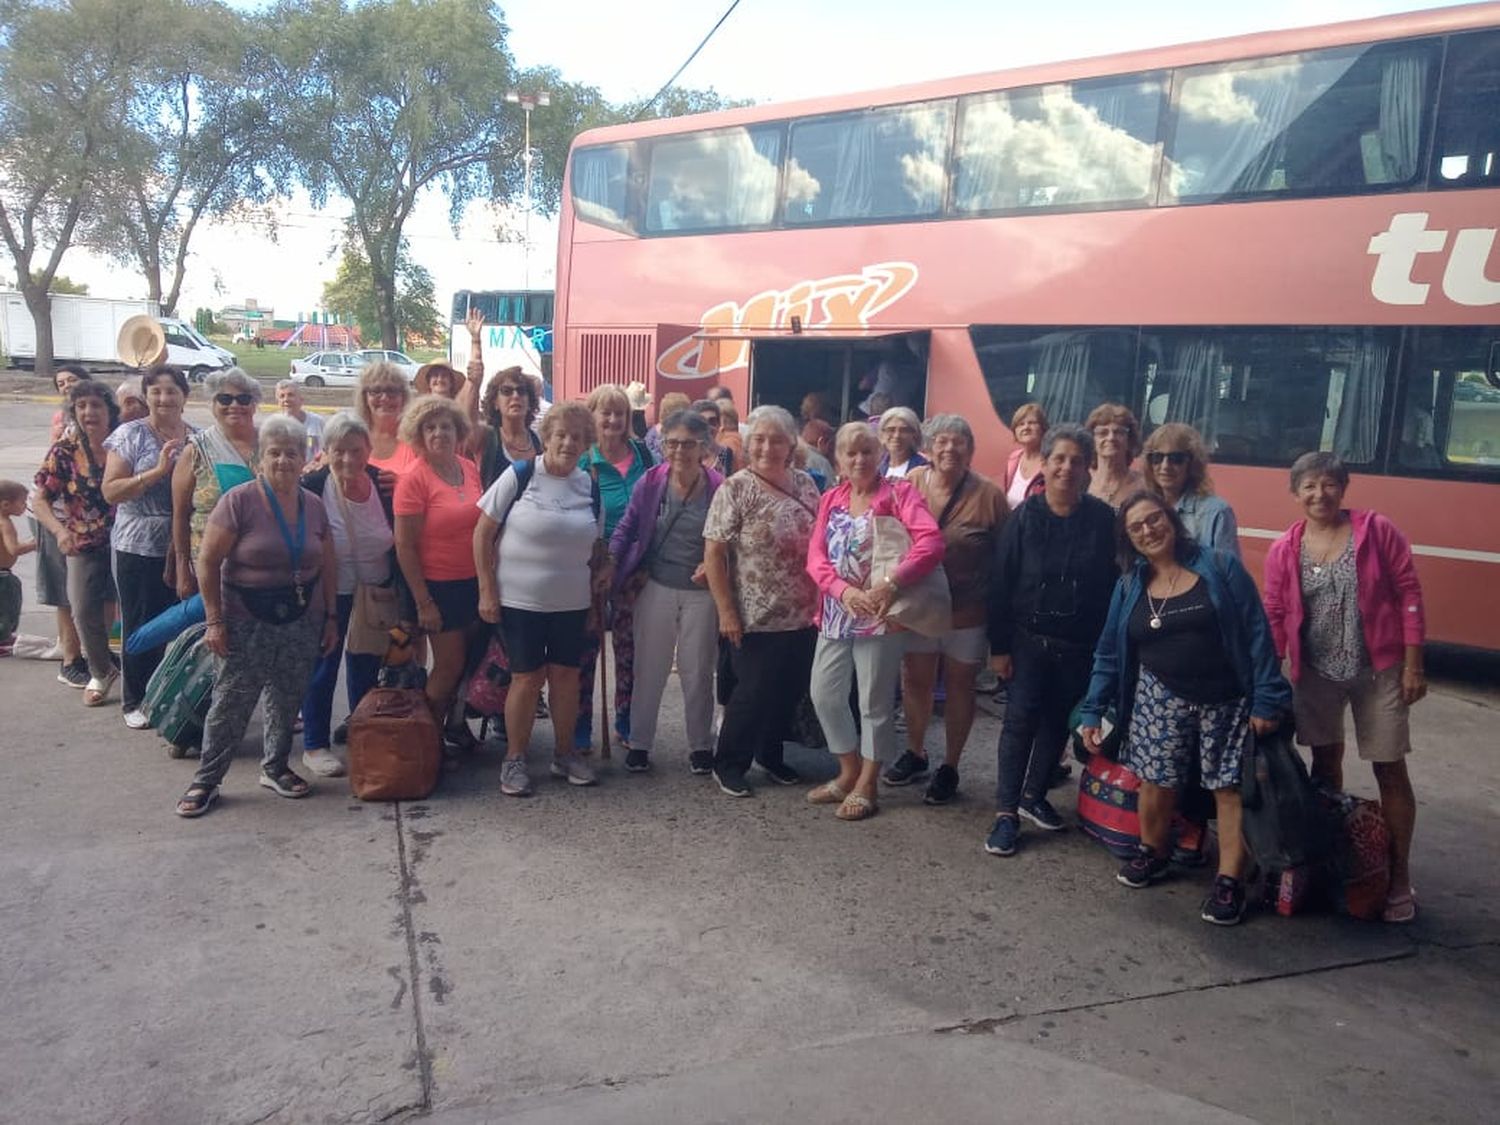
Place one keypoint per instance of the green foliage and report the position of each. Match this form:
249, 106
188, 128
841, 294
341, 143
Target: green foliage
61, 283
351, 295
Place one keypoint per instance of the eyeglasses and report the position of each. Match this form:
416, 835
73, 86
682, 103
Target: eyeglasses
509, 391
1111, 431
1154, 521
672, 445
244, 398
1176, 458
385, 392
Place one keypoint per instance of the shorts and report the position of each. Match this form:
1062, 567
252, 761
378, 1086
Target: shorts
457, 602
1167, 733
534, 639
10, 606
968, 645
51, 569
1381, 727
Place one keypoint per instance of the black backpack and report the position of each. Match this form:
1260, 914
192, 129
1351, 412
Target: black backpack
1285, 822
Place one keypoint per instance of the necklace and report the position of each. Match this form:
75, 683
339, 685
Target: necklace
458, 485
1327, 554
1156, 610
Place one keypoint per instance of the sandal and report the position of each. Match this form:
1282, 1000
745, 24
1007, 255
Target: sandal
197, 800
286, 784
828, 793
856, 806
97, 690
1401, 909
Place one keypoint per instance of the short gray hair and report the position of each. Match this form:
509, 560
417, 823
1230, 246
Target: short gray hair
1069, 431
906, 414
689, 420
283, 428
234, 379
777, 417
288, 385
947, 424
342, 425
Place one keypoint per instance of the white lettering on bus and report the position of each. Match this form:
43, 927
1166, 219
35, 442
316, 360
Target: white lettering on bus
1465, 280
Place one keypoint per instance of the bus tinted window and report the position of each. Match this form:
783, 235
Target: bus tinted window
1450, 417
1060, 145
538, 309
1068, 370
1323, 122
601, 184
1267, 395
714, 181
878, 164
1468, 132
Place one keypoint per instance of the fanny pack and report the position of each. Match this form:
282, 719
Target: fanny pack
276, 605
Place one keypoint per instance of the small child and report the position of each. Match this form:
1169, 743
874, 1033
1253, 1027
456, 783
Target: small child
12, 547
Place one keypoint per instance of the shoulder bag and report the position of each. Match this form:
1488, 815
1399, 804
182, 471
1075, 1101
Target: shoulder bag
926, 606
377, 609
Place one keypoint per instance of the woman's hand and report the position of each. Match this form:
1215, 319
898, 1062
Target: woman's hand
731, 628
1003, 666
165, 460
187, 580
217, 639
474, 322
853, 599
879, 599
330, 635
603, 578
489, 607
1262, 727
429, 620
700, 576
1413, 684
1093, 738
67, 543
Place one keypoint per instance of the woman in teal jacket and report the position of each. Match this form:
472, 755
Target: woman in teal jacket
1187, 661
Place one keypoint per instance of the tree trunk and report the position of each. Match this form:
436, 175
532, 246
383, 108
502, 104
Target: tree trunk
385, 306
40, 306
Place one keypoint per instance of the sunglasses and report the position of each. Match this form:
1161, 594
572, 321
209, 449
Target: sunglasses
385, 392
672, 445
509, 392
244, 398
1176, 458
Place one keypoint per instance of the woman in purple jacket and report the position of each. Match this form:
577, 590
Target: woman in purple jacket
658, 551
1346, 611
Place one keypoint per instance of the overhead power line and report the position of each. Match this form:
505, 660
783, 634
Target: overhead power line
678, 72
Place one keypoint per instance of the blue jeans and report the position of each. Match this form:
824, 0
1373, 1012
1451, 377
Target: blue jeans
360, 672
1048, 681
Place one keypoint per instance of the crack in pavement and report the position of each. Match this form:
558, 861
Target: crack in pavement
405, 893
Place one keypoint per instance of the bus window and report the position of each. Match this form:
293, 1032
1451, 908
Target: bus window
1318, 123
714, 181
1450, 419
1265, 396
1068, 370
1468, 132
538, 309
1063, 145
878, 164
601, 184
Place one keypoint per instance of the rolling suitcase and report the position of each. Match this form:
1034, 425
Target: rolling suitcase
180, 691
395, 746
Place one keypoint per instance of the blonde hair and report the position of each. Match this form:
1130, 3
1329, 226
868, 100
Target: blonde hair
606, 394
1179, 436
374, 377
424, 410
1028, 410
569, 416
855, 433
1113, 414
670, 404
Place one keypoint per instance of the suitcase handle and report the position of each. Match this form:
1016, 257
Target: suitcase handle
392, 706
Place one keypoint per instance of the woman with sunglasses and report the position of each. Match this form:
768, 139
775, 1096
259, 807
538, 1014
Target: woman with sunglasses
507, 431
1177, 471
217, 458
1117, 443
1187, 661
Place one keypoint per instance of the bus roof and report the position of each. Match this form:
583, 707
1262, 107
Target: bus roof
1436, 21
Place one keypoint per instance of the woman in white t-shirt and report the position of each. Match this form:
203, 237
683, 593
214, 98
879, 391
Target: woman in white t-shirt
361, 522
533, 545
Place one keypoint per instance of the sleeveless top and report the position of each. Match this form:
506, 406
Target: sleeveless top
217, 467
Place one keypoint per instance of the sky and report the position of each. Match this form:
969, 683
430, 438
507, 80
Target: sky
767, 50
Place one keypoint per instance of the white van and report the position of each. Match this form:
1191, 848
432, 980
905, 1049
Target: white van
85, 330
187, 349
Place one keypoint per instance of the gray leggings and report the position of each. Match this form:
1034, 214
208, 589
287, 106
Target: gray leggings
276, 659
91, 590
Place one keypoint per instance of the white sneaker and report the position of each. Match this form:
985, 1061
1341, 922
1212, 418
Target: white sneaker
137, 720
324, 763
574, 769
52, 653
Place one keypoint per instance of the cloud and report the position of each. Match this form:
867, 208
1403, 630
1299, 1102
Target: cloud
1212, 98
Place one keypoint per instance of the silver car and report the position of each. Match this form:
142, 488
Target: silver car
400, 359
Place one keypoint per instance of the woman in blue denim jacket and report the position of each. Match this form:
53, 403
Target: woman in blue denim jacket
1187, 660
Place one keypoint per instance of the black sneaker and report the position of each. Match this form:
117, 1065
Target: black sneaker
1041, 813
638, 761
1003, 836
731, 783
781, 773
943, 787
74, 675
1143, 869
906, 769
1225, 905
701, 762
341, 733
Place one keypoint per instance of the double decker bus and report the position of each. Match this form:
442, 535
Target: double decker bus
517, 332
1287, 240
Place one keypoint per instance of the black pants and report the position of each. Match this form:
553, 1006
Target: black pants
771, 672
1048, 681
143, 595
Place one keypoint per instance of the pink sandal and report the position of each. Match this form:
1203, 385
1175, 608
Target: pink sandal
1401, 909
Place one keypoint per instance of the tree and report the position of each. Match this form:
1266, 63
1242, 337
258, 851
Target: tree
351, 294
62, 283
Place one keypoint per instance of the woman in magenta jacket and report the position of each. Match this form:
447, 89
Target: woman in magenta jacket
853, 633
1346, 611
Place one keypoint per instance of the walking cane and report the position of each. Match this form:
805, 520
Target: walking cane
603, 678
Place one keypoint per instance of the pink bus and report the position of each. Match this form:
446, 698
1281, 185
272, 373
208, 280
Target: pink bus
1287, 240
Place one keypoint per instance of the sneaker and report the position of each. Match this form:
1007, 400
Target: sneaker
638, 761
1225, 905
701, 762
514, 780
74, 675
1041, 813
731, 783
1003, 836
943, 787
323, 762
341, 733
1143, 869
137, 720
573, 769
53, 652
781, 773
906, 769
1188, 857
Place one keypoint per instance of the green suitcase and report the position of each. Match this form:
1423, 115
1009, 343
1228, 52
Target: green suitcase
180, 690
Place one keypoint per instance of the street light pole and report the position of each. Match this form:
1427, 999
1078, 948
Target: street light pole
527, 102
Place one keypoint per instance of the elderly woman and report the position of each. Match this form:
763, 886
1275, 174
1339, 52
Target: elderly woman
532, 548
755, 555
901, 441
509, 410
1117, 443
658, 550
216, 458
435, 517
289, 401
715, 455
616, 463
360, 522
1346, 611
51, 563
71, 506
131, 401
1055, 571
970, 512
854, 638
1177, 471
670, 404
269, 579
137, 481
1186, 659
380, 400
1023, 469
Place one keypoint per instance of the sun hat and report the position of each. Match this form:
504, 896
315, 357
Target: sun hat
639, 396
424, 374
142, 342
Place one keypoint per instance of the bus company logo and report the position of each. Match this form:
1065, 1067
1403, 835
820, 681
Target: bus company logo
1465, 280
846, 300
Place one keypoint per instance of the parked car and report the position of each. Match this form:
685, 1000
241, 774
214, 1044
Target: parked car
328, 369
400, 359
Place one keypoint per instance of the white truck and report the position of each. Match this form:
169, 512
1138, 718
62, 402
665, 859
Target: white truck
85, 330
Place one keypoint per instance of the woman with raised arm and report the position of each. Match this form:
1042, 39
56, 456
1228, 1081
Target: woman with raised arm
216, 459
1023, 469
1117, 443
1177, 471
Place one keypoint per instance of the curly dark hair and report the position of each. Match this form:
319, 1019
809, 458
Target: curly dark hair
92, 388
1185, 548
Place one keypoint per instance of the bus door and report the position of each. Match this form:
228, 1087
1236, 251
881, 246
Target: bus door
854, 377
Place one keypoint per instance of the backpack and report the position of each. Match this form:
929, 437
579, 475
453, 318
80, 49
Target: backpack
1286, 824
526, 469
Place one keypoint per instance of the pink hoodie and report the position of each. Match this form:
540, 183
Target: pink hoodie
894, 498
1390, 596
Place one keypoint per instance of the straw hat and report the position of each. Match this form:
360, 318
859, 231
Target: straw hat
424, 374
142, 342
639, 396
